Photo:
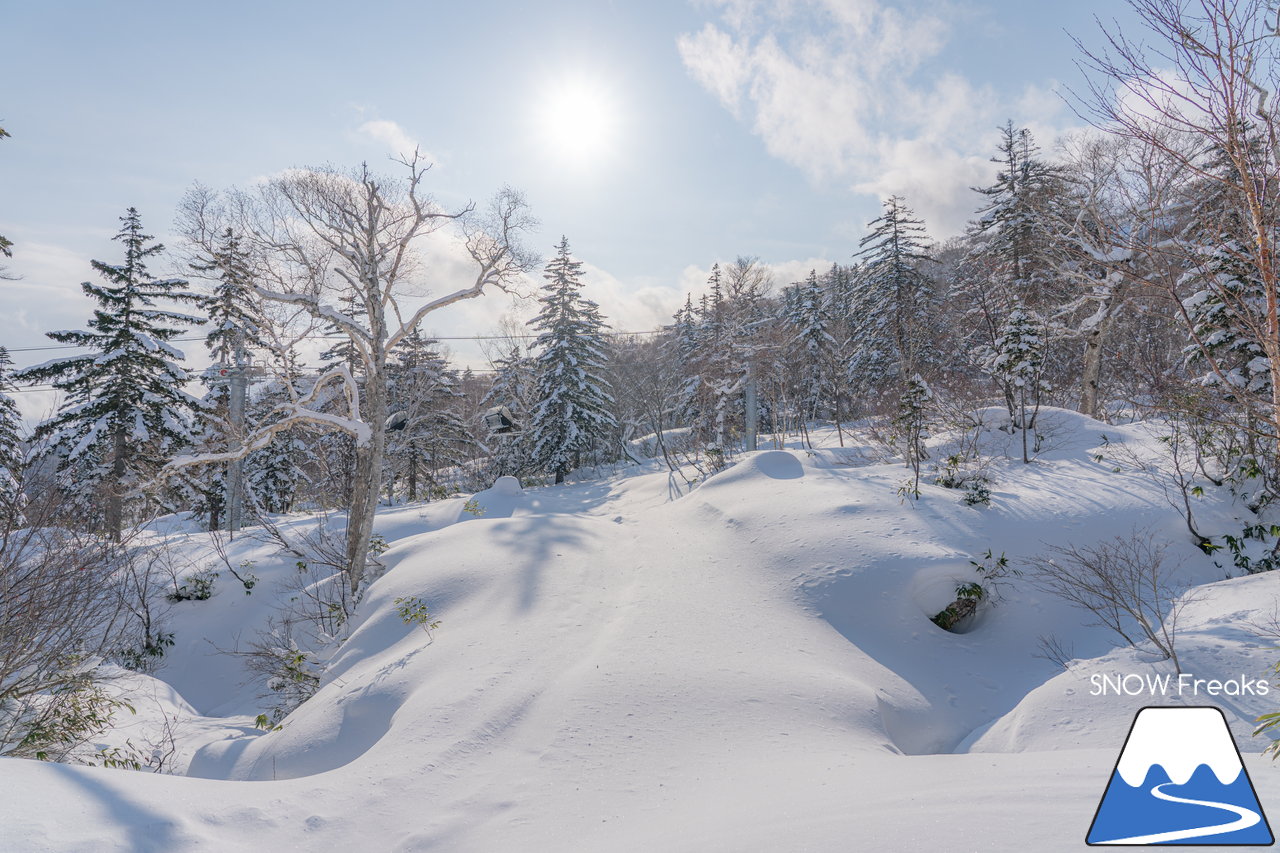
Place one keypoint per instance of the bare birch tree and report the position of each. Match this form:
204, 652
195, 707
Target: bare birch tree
321, 234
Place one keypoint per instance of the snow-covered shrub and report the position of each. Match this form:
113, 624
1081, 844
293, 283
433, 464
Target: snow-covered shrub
992, 573
196, 587
61, 720
291, 673
976, 494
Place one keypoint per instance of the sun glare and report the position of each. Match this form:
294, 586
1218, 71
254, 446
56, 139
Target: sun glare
578, 118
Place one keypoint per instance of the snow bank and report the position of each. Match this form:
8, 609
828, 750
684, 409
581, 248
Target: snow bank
749, 666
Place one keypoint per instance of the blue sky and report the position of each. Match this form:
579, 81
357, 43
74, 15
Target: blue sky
737, 127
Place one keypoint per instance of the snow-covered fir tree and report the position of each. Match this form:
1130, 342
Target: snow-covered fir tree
124, 411
514, 387
1015, 235
276, 475
336, 451
234, 321
573, 411
12, 454
1017, 364
807, 313
429, 434
893, 305
1228, 303
911, 427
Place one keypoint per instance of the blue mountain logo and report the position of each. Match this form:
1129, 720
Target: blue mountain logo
1180, 780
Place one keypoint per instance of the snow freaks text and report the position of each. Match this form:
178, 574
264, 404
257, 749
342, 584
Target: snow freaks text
1184, 684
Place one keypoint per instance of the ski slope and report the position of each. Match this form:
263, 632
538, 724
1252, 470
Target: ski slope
748, 666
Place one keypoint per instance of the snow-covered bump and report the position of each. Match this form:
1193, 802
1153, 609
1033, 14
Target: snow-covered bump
506, 486
778, 465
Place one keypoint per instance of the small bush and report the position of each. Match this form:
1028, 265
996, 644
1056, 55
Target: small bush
413, 611
196, 587
976, 494
146, 657
971, 594
66, 718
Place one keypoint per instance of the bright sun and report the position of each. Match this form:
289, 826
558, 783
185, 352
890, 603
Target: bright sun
578, 118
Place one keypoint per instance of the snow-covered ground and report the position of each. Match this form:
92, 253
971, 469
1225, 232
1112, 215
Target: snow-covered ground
747, 666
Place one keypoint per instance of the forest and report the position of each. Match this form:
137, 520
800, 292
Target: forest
1127, 272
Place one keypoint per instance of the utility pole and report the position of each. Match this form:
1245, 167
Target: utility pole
235, 468
753, 411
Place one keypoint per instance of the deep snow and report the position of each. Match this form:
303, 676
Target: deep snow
749, 666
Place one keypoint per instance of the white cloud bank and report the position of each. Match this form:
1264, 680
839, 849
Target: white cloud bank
845, 90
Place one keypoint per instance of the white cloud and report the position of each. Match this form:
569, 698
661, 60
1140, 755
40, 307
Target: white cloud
843, 89
396, 139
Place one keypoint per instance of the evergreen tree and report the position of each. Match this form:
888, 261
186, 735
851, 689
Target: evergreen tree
11, 452
514, 387
235, 328
1228, 305
124, 411
428, 434
336, 451
806, 311
911, 425
1017, 363
572, 414
1015, 236
893, 301
275, 474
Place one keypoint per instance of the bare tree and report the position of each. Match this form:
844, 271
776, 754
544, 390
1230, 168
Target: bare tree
1123, 582
1209, 79
323, 233
60, 614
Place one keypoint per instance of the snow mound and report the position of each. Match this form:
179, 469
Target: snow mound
503, 499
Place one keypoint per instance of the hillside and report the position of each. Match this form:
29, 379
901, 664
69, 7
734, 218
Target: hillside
747, 666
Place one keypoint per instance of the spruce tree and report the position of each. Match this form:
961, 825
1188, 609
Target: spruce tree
275, 474
572, 414
1014, 234
1228, 304
911, 426
893, 303
808, 315
1017, 363
513, 387
428, 434
235, 329
12, 455
124, 411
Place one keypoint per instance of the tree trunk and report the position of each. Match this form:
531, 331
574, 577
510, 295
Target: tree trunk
1091, 372
114, 511
367, 482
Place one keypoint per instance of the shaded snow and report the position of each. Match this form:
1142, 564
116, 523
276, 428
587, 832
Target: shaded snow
748, 667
